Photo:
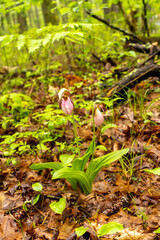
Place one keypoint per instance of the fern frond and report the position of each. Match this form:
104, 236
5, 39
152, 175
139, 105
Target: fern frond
70, 35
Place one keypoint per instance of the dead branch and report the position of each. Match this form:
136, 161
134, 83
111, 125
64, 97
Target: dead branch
151, 69
136, 77
140, 48
153, 50
143, 48
109, 59
98, 58
133, 36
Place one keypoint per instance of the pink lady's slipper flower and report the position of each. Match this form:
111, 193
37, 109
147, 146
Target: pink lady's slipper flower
65, 101
98, 115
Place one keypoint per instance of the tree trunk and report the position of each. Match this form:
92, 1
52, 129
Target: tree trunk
2, 23
14, 18
8, 18
48, 16
37, 17
30, 17
21, 18
113, 8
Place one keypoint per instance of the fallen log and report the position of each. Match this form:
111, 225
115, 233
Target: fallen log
151, 69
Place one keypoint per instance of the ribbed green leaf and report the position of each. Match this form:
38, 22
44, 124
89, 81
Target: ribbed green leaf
96, 165
79, 176
80, 163
154, 171
41, 166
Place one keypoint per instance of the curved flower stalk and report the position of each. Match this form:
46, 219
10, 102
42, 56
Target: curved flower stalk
98, 120
66, 104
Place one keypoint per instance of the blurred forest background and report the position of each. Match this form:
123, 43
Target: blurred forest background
38, 33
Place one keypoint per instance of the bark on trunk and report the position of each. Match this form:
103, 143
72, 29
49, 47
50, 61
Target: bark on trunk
21, 18
48, 16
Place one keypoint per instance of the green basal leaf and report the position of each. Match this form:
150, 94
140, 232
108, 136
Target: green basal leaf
154, 171
80, 231
41, 166
73, 183
97, 163
80, 163
14, 146
59, 206
79, 176
110, 228
66, 159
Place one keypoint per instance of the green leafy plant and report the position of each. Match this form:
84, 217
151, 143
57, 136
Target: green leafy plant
109, 228
77, 173
142, 215
37, 187
18, 105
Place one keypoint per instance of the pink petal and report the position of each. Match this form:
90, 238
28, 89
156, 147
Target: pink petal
67, 106
98, 117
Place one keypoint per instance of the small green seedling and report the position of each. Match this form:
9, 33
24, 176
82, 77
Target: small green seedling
110, 228
59, 206
37, 187
80, 231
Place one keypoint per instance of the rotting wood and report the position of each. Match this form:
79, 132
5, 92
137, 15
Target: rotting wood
151, 69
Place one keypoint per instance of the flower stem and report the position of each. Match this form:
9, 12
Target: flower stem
94, 134
75, 133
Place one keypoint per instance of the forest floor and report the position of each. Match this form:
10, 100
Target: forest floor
122, 192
